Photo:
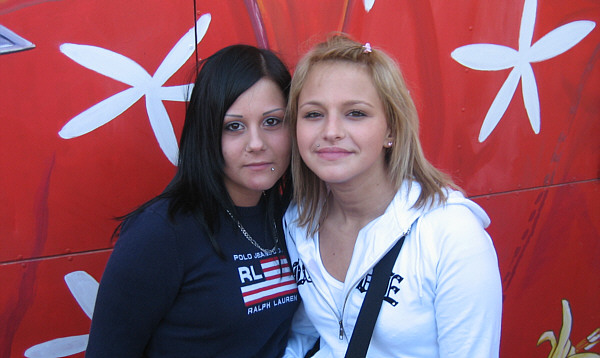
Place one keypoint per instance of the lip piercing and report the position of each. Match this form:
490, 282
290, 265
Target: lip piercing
318, 145
272, 169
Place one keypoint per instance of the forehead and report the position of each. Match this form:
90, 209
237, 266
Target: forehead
263, 95
339, 67
339, 79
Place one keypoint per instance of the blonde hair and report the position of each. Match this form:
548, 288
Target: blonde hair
405, 159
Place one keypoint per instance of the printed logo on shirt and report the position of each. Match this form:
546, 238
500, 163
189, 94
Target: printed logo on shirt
300, 273
268, 285
392, 289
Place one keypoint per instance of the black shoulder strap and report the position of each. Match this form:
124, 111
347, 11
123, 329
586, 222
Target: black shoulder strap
365, 323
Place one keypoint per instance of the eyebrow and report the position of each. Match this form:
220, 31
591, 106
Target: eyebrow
273, 110
264, 114
346, 103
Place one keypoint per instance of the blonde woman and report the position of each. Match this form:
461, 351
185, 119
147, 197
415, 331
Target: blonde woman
361, 183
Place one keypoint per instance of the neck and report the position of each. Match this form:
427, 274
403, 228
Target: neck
358, 204
246, 200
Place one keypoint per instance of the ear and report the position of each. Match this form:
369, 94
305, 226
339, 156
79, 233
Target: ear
389, 139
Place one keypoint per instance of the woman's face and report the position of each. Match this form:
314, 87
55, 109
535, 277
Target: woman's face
255, 142
341, 125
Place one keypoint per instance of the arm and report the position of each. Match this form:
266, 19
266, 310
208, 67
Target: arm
468, 303
139, 283
303, 335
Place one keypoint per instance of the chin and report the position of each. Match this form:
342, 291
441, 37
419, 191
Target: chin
333, 178
262, 186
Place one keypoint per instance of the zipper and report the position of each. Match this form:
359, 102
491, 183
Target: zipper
341, 320
341, 332
333, 310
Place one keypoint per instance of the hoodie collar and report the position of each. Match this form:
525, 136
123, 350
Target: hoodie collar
377, 237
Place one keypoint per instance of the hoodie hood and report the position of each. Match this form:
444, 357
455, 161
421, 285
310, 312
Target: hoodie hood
378, 236
445, 285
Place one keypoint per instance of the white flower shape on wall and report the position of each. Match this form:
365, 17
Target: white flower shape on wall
123, 69
491, 57
84, 288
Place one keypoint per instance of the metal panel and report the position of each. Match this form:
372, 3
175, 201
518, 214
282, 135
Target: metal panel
45, 304
548, 249
67, 169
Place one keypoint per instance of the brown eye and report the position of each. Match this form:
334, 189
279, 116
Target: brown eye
272, 121
234, 126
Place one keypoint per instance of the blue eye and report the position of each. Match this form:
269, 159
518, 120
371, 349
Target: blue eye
356, 113
310, 115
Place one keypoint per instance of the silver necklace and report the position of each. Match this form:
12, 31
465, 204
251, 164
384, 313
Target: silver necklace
252, 241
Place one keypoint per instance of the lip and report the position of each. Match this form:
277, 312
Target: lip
258, 166
333, 153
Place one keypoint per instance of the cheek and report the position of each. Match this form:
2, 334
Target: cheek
304, 137
230, 150
374, 136
282, 144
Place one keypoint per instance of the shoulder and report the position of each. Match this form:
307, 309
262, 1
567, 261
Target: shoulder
453, 217
154, 227
457, 214
290, 219
455, 228
152, 218
294, 234
291, 213
153, 238
157, 216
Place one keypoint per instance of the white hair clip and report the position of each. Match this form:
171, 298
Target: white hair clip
367, 48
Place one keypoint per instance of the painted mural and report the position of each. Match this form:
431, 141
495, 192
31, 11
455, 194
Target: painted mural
92, 99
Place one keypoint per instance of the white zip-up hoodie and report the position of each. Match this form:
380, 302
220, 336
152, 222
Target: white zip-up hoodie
444, 297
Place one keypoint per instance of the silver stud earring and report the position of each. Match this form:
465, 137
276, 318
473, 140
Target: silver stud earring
390, 143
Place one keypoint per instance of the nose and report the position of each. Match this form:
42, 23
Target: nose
256, 141
334, 128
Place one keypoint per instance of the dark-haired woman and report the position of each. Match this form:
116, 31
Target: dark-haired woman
200, 270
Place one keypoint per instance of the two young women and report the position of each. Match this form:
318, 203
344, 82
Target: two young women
201, 271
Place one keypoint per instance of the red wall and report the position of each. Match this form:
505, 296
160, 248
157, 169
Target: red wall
60, 187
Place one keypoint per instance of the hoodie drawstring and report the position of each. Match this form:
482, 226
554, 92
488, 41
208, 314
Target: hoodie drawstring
418, 260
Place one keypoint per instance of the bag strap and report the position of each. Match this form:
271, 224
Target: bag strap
365, 323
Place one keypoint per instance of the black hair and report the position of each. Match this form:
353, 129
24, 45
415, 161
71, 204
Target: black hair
198, 187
